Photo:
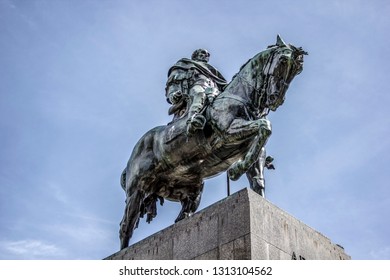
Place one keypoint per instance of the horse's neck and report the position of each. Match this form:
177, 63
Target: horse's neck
247, 81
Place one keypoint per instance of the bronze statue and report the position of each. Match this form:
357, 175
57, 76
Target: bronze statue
172, 161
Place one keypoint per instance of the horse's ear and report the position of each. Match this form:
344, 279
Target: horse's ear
279, 41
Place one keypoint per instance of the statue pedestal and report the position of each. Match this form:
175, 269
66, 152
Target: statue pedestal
242, 226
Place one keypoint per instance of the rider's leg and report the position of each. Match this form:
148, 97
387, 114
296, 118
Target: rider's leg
195, 120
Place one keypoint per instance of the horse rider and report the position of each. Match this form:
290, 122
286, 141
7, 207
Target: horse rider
197, 80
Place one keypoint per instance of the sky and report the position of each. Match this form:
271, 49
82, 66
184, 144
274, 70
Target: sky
82, 81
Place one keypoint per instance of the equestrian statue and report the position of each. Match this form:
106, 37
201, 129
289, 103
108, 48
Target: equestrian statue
216, 127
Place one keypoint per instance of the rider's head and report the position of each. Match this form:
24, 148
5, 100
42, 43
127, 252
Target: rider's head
201, 55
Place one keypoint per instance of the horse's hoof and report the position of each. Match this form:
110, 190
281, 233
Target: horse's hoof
124, 243
233, 173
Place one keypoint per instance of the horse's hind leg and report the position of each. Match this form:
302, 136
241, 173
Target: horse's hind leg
130, 217
190, 203
139, 167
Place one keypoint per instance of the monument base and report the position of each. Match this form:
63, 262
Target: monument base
243, 226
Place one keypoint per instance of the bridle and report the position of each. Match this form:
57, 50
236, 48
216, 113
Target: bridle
260, 92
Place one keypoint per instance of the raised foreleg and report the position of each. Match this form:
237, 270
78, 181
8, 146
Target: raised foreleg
263, 131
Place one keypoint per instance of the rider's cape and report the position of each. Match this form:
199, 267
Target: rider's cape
205, 68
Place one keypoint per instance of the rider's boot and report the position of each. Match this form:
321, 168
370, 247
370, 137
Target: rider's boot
196, 121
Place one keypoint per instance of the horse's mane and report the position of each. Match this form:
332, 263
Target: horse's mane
249, 60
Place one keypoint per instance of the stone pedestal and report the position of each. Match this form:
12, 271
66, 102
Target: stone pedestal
243, 226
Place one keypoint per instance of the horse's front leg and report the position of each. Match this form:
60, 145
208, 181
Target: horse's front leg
263, 132
255, 174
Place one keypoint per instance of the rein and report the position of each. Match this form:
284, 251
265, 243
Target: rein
254, 107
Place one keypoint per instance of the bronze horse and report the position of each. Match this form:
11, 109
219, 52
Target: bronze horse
166, 163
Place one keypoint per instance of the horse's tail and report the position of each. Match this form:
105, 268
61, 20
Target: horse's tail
123, 180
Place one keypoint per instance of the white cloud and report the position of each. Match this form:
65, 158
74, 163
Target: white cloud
10, 4
380, 254
31, 249
58, 193
87, 234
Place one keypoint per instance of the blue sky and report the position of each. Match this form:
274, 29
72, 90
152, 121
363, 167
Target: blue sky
82, 81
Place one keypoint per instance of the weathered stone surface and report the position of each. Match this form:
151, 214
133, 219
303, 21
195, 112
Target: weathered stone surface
241, 226
285, 235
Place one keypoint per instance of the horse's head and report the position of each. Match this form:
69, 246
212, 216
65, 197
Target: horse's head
283, 63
